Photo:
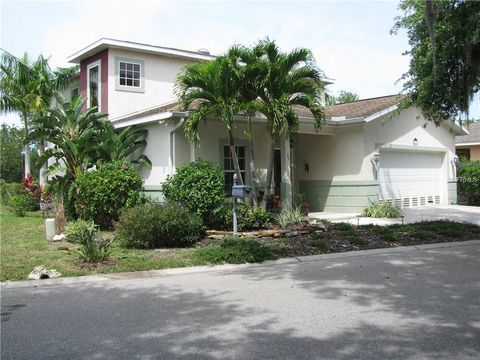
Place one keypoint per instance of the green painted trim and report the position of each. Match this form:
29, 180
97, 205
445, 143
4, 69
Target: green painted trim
119, 87
238, 142
389, 146
339, 196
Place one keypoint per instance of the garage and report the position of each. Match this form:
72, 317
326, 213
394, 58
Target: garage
410, 178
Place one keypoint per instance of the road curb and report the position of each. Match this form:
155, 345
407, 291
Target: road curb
92, 279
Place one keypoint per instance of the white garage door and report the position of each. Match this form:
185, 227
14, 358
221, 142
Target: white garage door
410, 178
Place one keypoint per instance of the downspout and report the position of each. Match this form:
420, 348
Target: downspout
171, 160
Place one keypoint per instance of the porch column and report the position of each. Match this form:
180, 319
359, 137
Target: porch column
286, 184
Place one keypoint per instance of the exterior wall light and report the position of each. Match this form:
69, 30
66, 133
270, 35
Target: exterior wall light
376, 158
307, 168
415, 142
455, 160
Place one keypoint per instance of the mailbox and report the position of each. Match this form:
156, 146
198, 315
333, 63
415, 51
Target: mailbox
241, 191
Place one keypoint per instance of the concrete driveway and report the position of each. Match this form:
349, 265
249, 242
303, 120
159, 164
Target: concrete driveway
458, 213
403, 303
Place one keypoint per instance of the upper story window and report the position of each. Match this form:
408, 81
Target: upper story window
129, 74
74, 93
94, 84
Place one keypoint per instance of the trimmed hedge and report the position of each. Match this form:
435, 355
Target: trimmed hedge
158, 226
469, 183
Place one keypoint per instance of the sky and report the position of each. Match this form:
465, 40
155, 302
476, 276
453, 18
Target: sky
351, 40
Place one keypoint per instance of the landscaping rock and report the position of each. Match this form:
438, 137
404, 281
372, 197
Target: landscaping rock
40, 272
291, 234
58, 237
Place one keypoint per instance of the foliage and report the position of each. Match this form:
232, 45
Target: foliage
343, 97
347, 231
321, 242
79, 229
21, 203
101, 195
234, 250
289, 217
124, 144
92, 247
74, 134
28, 88
157, 226
199, 186
444, 52
382, 210
8, 190
32, 187
469, 183
249, 217
280, 82
11, 139
212, 88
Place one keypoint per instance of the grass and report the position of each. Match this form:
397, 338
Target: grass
23, 246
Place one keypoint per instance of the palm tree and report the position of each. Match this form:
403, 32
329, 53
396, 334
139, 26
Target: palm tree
124, 144
283, 82
213, 89
75, 136
28, 88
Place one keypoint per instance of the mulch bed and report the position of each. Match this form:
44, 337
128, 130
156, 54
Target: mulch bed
341, 237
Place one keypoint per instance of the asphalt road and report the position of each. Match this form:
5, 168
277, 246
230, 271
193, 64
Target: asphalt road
415, 304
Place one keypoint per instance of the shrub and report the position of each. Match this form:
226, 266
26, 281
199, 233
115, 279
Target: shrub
101, 195
79, 229
469, 183
382, 210
199, 186
289, 217
155, 226
21, 203
8, 190
32, 187
235, 250
92, 247
249, 217
321, 242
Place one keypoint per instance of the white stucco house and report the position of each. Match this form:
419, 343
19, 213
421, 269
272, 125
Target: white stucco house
367, 151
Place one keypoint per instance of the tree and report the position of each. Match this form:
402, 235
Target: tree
75, 136
343, 97
124, 144
284, 81
11, 139
28, 88
444, 39
213, 89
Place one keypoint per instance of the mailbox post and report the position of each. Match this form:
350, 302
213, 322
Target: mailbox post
238, 191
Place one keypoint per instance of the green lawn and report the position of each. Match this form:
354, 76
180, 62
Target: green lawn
23, 246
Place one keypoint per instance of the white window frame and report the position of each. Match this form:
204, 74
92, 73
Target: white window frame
90, 66
141, 63
232, 170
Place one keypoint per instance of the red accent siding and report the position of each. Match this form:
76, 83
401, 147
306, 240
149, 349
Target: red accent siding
103, 57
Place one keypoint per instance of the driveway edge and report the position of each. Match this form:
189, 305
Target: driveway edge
216, 268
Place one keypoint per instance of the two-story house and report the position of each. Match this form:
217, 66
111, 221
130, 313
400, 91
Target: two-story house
365, 152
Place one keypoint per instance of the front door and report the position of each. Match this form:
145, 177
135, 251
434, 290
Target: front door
277, 171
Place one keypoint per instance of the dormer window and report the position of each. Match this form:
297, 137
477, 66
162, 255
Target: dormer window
129, 74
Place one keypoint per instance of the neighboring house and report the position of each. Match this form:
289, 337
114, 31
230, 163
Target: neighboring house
468, 146
366, 151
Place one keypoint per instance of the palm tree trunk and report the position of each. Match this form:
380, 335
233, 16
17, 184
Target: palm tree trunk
236, 165
253, 171
268, 182
26, 147
43, 168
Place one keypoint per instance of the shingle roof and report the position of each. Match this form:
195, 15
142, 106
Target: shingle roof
362, 108
354, 109
473, 136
